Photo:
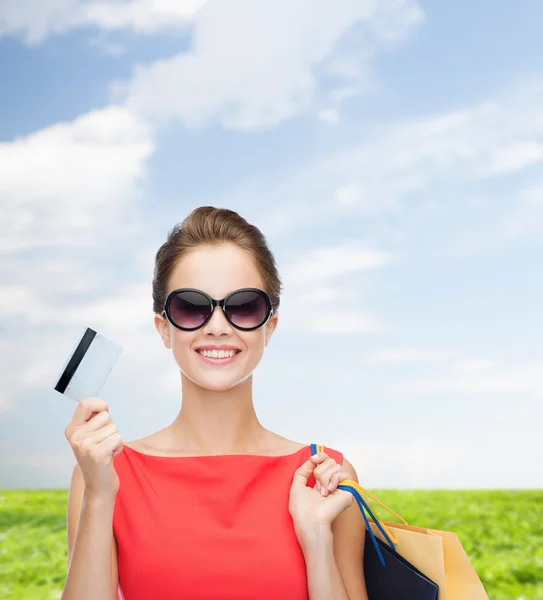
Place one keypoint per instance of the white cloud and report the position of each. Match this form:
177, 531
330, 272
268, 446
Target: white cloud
329, 115
349, 195
67, 184
349, 321
502, 217
527, 213
269, 71
407, 355
344, 92
265, 72
473, 366
142, 16
407, 170
35, 20
107, 46
312, 289
326, 262
514, 156
480, 377
116, 307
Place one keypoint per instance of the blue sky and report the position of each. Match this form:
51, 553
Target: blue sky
391, 152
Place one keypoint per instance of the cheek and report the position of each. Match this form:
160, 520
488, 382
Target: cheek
253, 342
254, 350
181, 343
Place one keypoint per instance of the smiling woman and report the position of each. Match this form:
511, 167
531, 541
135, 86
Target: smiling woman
214, 506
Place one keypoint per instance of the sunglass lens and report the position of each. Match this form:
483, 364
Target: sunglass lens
189, 309
247, 309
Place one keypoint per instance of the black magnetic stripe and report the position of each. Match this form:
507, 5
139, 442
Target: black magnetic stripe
75, 361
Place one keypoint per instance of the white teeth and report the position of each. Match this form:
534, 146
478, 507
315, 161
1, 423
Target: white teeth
217, 353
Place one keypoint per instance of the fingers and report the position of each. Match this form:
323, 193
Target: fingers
99, 420
328, 473
319, 457
325, 462
336, 478
322, 462
100, 435
92, 430
303, 473
85, 408
114, 442
90, 414
323, 479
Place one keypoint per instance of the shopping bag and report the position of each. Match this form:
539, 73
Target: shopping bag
430, 560
440, 556
397, 579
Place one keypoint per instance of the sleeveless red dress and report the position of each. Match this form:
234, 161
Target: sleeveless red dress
208, 527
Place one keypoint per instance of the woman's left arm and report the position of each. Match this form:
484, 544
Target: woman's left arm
330, 530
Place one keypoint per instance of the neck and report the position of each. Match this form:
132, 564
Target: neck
218, 422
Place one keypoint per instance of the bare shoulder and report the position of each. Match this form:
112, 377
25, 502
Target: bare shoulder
349, 468
279, 445
136, 444
154, 443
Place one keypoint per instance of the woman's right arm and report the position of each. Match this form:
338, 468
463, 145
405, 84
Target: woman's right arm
92, 550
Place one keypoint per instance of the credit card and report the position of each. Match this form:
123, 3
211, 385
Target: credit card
88, 367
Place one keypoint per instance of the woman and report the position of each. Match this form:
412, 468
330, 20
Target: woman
214, 506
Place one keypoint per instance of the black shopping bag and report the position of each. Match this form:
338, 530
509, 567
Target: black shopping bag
398, 579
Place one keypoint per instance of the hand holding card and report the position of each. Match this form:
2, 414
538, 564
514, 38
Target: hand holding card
95, 441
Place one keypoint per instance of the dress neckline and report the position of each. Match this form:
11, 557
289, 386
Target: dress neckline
219, 456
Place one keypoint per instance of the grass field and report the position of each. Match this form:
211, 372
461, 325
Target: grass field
501, 531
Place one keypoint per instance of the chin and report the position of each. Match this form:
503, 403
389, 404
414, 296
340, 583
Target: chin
214, 384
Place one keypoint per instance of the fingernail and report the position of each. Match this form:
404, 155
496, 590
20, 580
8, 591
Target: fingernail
323, 492
329, 486
318, 485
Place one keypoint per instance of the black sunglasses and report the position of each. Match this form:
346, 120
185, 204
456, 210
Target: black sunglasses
246, 309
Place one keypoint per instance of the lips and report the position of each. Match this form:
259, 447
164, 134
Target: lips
216, 347
219, 361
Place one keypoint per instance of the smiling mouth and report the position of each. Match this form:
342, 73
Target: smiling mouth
215, 356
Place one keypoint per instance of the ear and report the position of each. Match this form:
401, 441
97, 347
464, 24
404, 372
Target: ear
271, 326
163, 327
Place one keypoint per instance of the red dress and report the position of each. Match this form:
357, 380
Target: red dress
208, 527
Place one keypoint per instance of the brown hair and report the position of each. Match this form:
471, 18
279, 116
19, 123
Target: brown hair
214, 226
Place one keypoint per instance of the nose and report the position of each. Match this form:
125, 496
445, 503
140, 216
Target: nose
217, 324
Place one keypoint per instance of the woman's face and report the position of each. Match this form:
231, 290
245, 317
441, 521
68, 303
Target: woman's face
216, 270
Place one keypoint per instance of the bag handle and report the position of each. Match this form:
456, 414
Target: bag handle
357, 490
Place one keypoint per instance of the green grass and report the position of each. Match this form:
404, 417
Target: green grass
502, 532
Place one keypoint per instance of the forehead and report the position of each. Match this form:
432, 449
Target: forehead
217, 270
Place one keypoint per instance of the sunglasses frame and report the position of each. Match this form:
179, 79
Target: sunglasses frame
213, 303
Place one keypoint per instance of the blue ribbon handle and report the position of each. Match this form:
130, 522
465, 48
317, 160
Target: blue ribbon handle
364, 506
